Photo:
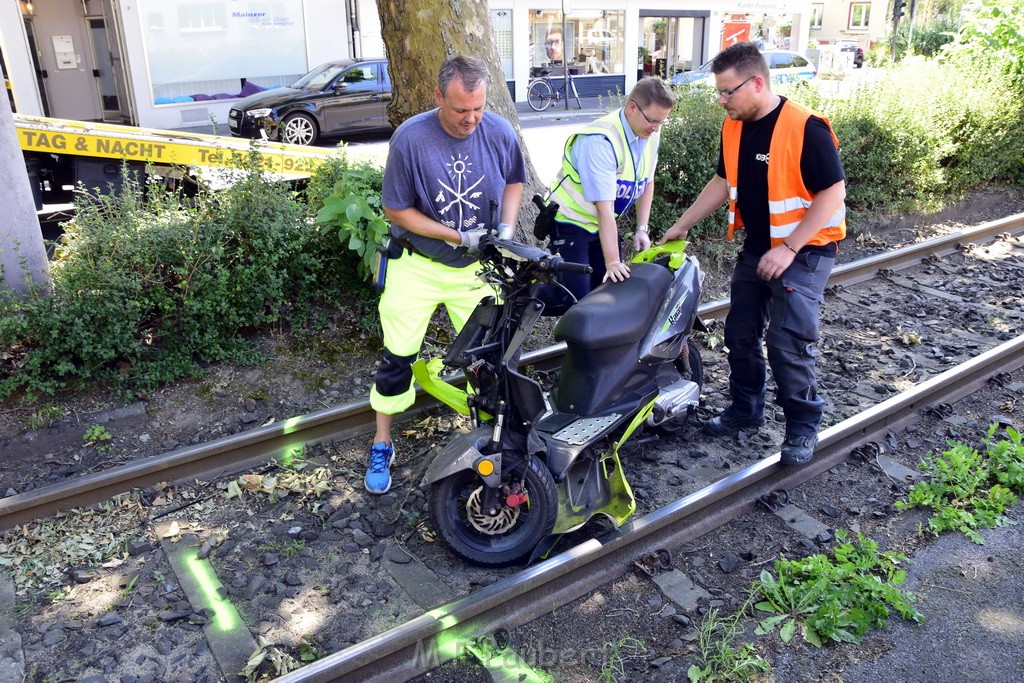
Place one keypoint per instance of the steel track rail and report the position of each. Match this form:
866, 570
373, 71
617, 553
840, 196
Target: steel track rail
256, 446
439, 634
866, 268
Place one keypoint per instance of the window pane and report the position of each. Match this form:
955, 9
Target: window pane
860, 14
817, 9
208, 46
593, 42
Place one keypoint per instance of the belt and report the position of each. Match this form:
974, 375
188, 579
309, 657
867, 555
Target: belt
406, 244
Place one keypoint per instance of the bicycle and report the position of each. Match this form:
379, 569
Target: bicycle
542, 91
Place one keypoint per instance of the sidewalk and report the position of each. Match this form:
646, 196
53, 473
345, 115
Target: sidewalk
592, 107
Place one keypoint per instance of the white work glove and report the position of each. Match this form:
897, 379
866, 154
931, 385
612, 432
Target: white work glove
505, 231
471, 238
641, 240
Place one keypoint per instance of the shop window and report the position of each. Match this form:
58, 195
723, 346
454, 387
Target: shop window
590, 42
860, 14
202, 17
202, 50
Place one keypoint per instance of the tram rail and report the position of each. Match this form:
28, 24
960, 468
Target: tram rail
421, 643
234, 453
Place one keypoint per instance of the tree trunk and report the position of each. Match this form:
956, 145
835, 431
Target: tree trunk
418, 36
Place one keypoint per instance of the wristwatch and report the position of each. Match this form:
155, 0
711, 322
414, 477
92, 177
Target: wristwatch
641, 228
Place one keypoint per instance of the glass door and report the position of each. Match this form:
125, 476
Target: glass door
104, 71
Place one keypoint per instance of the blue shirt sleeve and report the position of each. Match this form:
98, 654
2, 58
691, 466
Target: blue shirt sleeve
594, 157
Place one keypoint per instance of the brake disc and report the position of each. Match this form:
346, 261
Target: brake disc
492, 525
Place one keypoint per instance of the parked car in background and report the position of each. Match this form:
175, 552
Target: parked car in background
853, 47
334, 99
784, 66
598, 37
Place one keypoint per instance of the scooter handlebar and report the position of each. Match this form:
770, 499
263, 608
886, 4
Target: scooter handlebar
556, 264
542, 259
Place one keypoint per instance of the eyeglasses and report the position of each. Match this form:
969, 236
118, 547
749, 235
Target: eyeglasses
727, 94
649, 119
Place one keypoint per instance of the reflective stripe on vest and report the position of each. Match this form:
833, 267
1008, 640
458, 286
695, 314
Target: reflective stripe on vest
567, 190
788, 197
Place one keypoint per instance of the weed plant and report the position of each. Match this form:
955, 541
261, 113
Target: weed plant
723, 657
968, 490
836, 599
617, 653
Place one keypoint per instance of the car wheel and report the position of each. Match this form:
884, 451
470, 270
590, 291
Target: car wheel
298, 129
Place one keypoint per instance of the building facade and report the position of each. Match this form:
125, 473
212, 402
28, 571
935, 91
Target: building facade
175, 64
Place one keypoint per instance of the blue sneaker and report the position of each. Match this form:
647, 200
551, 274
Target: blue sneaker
378, 474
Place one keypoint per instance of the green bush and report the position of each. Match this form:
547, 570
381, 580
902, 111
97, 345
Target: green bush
687, 159
927, 131
352, 213
146, 287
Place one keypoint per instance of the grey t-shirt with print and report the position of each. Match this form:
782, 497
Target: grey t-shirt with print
452, 180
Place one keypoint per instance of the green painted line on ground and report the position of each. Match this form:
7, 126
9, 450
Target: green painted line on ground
231, 643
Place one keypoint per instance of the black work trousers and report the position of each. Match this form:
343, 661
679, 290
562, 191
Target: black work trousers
789, 309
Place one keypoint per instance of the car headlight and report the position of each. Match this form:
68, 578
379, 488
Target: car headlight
260, 113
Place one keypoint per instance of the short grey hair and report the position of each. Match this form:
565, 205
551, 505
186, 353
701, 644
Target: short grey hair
652, 90
470, 71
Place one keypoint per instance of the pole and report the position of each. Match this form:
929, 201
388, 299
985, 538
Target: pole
22, 253
565, 58
910, 28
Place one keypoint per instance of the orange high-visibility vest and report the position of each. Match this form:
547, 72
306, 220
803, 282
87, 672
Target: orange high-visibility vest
788, 197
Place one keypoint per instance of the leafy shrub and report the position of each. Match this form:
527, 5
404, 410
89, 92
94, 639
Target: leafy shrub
926, 131
146, 287
353, 215
687, 159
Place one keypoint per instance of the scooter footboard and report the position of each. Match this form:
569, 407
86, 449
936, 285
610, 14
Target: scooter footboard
603, 491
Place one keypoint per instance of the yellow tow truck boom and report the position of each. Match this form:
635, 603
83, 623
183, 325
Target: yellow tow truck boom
161, 147
61, 155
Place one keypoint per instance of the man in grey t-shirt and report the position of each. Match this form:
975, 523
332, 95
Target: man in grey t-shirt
452, 173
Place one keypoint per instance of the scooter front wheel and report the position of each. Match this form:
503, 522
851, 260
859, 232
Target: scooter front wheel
504, 538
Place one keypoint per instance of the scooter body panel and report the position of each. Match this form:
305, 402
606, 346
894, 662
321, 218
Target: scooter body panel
461, 453
674, 320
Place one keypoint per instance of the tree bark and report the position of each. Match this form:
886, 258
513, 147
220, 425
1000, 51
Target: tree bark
418, 36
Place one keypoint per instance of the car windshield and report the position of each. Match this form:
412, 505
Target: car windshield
318, 78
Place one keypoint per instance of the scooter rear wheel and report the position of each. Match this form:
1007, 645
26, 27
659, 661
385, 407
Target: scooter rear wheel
494, 541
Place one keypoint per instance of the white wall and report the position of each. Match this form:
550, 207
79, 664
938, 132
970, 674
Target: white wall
18, 61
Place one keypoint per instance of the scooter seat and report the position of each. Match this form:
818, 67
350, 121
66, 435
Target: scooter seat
616, 312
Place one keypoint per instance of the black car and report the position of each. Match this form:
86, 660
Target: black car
334, 99
854, 47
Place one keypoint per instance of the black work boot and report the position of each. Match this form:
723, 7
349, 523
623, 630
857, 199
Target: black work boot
727, 425
798, 450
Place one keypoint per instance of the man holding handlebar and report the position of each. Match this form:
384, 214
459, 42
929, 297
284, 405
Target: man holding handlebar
452, 174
